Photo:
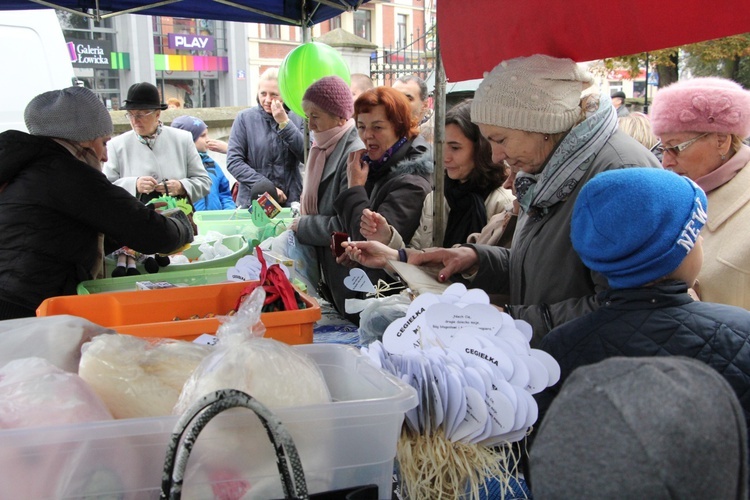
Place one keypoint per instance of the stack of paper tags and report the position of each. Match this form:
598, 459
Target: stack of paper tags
471, 365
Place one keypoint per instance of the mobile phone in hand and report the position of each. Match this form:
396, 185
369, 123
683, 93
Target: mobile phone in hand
337, 238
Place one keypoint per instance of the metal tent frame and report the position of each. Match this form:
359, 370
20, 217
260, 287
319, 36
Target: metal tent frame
302, 13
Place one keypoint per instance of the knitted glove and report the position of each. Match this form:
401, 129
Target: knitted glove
184, 227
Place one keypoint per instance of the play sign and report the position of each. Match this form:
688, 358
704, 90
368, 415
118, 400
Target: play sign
190, 42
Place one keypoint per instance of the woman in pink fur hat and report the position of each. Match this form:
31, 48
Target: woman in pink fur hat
702, 123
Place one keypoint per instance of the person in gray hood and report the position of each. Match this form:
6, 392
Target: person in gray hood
56, 205
632, 428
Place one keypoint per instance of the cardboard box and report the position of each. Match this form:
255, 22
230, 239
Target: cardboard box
269, 205
153, 285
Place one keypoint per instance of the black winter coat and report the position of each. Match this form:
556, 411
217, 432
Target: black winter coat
661, 320
52, 210
397, 193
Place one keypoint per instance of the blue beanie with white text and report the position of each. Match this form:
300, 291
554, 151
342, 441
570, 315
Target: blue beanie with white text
637, 225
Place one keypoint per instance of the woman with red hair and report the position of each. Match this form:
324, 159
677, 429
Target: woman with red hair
390, 176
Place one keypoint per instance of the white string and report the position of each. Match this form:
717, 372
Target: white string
383, 287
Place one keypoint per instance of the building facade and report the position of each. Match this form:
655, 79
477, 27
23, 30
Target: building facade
208, 63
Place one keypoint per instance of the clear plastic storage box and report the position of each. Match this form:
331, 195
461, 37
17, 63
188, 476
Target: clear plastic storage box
349, 442
238, 222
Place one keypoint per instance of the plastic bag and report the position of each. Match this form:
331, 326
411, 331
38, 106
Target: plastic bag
304, 257
378, 314
58, 339
36, 393
53, 458
278, 375
136, 377
273, 372
213, 250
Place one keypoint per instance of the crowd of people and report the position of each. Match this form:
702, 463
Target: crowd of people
618, 236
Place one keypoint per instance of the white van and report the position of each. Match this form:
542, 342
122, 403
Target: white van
34, 58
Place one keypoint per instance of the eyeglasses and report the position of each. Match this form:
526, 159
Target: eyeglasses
139, 116
679, 148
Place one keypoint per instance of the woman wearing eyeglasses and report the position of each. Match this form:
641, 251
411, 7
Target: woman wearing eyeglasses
153, 160
702, 123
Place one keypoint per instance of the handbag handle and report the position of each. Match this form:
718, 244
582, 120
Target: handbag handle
192, 422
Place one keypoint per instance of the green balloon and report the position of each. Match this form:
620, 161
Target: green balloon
304, 66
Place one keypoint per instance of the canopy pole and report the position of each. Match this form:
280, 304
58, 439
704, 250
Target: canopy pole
306, 38
438, 198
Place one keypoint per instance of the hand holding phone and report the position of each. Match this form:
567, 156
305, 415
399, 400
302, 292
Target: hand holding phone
337, 238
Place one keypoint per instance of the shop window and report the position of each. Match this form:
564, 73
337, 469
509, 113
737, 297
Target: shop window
334, 23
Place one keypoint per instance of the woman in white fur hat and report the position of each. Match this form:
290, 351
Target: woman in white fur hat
532, 112
56, 204
702, 123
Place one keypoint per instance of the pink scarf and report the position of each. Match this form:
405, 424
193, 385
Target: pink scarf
323, 145
726, 172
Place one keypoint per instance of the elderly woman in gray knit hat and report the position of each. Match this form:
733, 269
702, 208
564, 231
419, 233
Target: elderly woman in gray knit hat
532, 112
56, 205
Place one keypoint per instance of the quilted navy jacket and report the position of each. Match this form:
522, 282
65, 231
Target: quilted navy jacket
662, 320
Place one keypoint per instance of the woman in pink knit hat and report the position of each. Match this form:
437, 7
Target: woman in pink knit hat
702, 123
328, 106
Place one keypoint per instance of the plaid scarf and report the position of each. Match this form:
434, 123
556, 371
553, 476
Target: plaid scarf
150, 140
568, 163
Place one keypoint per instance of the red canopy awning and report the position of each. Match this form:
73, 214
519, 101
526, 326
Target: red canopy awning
475, 36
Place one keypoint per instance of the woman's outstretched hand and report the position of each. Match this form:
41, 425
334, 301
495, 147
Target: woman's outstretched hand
370, 253
450, 261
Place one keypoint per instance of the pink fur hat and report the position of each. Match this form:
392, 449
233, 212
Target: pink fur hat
702, 105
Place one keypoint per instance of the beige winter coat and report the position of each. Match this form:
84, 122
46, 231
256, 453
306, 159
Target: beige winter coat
725, 276
496, 203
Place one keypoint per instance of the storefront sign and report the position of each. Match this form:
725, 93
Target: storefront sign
191, 42
90, 53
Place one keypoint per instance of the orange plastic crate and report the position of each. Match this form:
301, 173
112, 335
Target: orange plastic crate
151, 313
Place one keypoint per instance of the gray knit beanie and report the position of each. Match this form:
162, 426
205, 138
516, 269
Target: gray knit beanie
74, 113
656, 428
535, 94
